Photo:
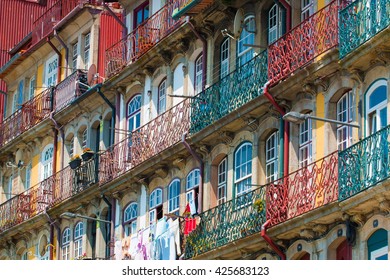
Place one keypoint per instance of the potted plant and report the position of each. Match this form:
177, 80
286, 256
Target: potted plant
87, 154
75, 161
259, 205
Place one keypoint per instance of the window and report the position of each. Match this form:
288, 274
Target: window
31, 88
199, 74
87, 46
344, 114
134, 113
71, 146
307, 9
222, 175
305, 148
376, 100
75, 54
78, 240
130, 219
243, 169
225, 49
275, 25
271, 157
141, 13
155, 206
20, 94
65, 249
192, 189
161, 103
84, 138
8, 193
174, 197
47, 161
377, 244
15, 102
51, 68
27, 184
247, 37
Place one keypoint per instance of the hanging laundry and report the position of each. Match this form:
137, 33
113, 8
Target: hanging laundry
189, 225
174, 239
118, 250
192, 207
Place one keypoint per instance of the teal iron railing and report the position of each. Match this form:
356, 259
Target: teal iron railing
227, 222
364, 164
360, 21
229, 94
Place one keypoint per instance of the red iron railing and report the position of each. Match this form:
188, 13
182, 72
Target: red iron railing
311, 38
147, 141
303, 190
141, 39
31, 113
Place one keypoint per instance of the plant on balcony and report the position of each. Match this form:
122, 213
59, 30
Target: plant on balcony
259, 205
75, 161
87, 154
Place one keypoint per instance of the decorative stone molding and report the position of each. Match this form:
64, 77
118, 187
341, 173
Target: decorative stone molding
319, 228
252, 123
180, 163
358, 219
162, 172
203, 151
307, 233
309, 88
323, 83
226, 137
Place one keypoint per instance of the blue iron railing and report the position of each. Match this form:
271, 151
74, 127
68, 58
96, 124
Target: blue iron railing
364, 164
360, 21
229, 94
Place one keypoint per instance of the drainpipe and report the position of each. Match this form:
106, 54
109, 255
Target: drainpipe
53, 225
113, 115
111, 231
61, 130
201, 167
65, 47
287, 6
204, 53
269, 240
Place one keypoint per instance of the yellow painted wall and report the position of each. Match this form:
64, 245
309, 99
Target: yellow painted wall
39, 79
320, 127
35, 170
63, 63
320, 4
59, 148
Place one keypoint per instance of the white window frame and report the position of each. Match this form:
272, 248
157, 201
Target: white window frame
246, 53
31, 88
134, 113
84, 138
271, 157
305, 143
345, 114
222, 181
174, 196
373, 116
130, 215
78, 240
9, 187
192, 186
275, 17
71, 146
75, 55
225, 58
27, 184
51, 71
15, 102
65, 244
199, 74
155, 201
161, 97
47, 162
307, 9
243, 169
87, 50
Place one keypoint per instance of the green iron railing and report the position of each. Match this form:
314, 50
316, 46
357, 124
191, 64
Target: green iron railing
360, 21
229, 94
364, 164
227, 222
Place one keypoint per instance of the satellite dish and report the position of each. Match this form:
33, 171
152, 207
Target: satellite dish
91, 75
238, 23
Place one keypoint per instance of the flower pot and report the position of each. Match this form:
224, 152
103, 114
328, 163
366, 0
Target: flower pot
75, 163
87, 156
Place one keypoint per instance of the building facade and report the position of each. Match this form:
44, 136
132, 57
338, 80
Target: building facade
198, 130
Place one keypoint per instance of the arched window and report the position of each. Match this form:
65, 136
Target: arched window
84, 138
65, 249
225, 50
376, 107
134, 113
155, 205
243, 169
247, 38
198, 74
222, 176
47, 161
271, 157
174, 196
78, 239
377, 244
344, 114
70, 146
130, 218
305, 143
162, 92
192, 189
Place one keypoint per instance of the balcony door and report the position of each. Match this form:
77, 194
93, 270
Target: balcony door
141, 13
376, 107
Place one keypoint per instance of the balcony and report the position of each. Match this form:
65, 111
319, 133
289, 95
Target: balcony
229, 94
364, 164
303, 44
30, 114
43, 26
141, 40
70, 89
360, 21
189, 7
295, 194
146, 142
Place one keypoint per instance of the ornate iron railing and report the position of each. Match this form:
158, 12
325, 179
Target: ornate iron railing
364, 164
69, 89
141, 39
31, 113
302, 44
147, 141
228, 222
360, 21
229, 94
183, 7
303, 190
